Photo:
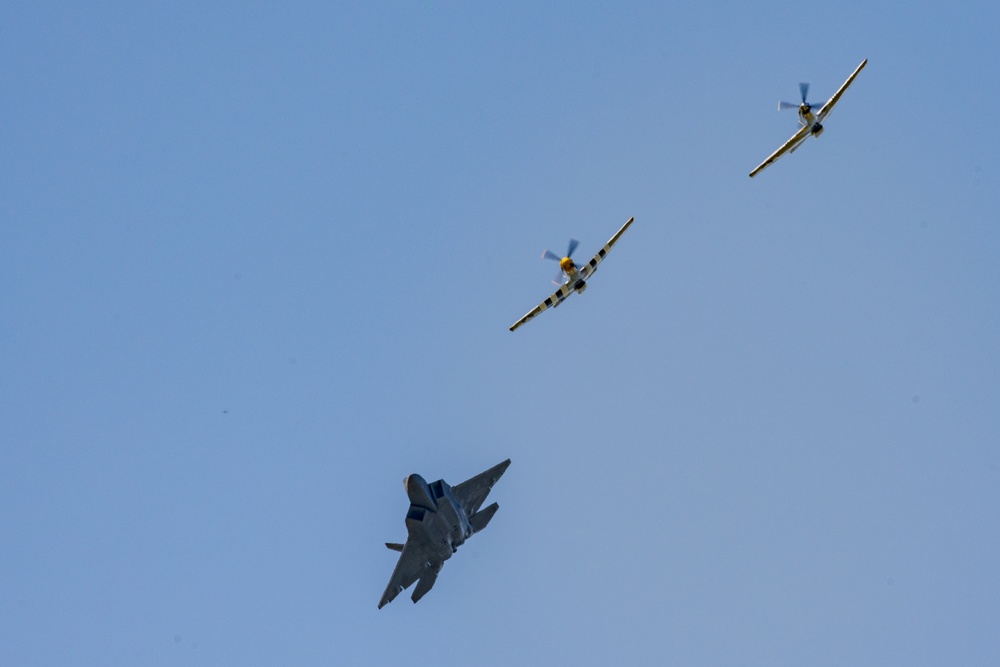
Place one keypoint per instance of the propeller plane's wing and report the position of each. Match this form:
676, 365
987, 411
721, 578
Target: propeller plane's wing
411, 566
590, 267
471, 493
828, 107
790, 145
557, 297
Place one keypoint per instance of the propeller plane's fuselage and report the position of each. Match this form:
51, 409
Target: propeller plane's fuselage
808, 119
572, 275
806, 116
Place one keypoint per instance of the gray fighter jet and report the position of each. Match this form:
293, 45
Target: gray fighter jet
441, 518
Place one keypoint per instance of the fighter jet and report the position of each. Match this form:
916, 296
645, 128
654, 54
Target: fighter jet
440, 519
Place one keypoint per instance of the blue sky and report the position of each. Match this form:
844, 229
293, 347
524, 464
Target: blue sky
258, 264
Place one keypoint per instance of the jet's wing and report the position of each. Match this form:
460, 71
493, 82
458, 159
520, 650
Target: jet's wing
554, 300
471, 493
789, 145
828, 107
409, 568
588, 269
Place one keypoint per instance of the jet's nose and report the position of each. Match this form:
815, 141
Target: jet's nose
413, 482
418, 491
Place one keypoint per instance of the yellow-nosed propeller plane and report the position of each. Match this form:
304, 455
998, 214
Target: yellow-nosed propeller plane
572, 279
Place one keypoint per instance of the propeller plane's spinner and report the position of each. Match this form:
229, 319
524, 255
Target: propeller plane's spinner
570, 277
810, 123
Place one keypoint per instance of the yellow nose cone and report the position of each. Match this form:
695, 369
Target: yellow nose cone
566, 264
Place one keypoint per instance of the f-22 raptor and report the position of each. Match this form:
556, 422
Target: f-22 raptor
440, 519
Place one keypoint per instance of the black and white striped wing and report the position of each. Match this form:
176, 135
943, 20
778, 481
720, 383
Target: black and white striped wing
588, 269
558, 297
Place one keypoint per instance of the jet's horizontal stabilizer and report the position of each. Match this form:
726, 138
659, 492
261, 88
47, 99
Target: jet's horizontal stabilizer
482, 517
394, 546
427, 579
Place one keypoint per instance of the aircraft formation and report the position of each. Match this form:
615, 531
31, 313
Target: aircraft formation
442, 517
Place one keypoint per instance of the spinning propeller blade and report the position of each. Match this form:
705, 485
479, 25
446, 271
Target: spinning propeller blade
573, 243
548, 254
804, 90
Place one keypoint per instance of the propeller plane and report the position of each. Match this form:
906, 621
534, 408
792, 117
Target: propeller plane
811, 123
570, 277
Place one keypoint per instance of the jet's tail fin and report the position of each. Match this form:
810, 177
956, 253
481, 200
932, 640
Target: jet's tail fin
482, 517
427, 579
394, 546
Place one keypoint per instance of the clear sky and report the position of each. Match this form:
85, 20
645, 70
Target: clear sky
257, 264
